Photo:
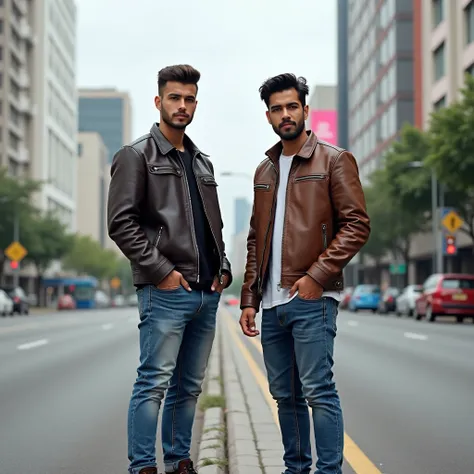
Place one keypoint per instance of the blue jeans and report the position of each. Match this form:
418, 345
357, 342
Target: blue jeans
176, 334
298, 345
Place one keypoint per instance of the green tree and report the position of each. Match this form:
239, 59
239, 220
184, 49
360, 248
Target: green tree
397, 210
87, 257
451, 153
15, 201
46, 239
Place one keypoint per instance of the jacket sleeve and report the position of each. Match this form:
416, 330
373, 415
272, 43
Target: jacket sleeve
351, 221
126, 195
249, 295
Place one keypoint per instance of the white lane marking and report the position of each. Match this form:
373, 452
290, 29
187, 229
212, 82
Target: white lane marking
107, 327
353, 323
414, 335
32, 345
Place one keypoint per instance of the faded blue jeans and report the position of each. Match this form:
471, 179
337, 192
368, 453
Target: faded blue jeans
298, 345
177, 330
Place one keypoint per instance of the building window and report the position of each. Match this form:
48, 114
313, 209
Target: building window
438, 12
469, 15
440, 103
438, 57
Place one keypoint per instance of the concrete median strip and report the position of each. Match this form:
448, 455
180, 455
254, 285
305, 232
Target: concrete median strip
212, 449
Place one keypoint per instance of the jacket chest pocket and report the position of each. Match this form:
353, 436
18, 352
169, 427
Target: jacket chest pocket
165, 170
314, 177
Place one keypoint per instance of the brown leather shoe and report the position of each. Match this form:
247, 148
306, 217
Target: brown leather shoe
149, 470
185, 467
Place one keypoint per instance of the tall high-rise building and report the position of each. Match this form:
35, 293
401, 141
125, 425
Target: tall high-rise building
38, 104
91, 212
109, 113
380, 82
342, 73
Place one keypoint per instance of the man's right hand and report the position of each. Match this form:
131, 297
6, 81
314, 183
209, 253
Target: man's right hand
173, 281
247, 322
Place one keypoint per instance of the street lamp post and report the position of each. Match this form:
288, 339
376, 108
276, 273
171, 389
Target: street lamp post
437, 258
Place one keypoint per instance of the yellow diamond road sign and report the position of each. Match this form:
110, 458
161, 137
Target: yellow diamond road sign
452, 222
16, 252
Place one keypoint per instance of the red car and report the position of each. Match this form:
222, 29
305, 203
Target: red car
449, 294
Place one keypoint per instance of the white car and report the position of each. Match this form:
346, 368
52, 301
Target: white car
405, 304
6, 304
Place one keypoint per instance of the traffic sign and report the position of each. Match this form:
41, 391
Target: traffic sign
398, 269
115, 283
16, 252
452, 222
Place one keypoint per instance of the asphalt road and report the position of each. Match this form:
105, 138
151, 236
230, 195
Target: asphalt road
65, 383
407, 390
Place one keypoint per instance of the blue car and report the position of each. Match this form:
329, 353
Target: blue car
365, 297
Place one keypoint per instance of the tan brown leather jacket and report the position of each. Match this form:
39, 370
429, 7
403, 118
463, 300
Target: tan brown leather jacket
326, 221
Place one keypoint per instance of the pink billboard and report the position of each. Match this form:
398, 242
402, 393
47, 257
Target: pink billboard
324, 124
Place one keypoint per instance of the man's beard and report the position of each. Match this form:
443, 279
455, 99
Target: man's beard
290, 135
178, 126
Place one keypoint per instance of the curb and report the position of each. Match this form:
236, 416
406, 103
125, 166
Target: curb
212, 455
241, 441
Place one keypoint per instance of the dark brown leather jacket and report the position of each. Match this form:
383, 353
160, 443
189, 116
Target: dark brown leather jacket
149, 209
326, 221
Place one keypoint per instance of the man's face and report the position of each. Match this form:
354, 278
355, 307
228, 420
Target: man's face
286, 114
177, 103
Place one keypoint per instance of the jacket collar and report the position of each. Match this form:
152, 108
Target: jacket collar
165, 146
306, 151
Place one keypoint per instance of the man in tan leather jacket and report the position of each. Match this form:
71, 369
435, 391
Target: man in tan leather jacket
309, 220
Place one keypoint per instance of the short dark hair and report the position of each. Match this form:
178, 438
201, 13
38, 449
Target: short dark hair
183, 73
281, 83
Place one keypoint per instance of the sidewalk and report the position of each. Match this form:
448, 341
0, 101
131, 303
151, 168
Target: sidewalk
254, 440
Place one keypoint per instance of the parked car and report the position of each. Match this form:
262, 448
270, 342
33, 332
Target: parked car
405, 302
66, 302
449, 294
387, 300
21, 305
365, 297
6, 304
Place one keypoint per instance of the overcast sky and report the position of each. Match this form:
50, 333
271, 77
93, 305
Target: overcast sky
236, 46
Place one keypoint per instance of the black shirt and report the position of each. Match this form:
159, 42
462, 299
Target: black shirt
208, 259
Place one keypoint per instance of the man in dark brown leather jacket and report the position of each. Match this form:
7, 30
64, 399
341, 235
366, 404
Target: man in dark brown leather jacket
164, 215
309, 219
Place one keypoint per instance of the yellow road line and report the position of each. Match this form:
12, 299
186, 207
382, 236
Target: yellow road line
355, 457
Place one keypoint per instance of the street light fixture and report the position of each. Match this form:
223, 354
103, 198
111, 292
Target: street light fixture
437, 236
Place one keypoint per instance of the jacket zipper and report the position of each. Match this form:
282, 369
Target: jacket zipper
313, 176
210, 225
260, 276
261, 186
193, 231
325, 236
158, 237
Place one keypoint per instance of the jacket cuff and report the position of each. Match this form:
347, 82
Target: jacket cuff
249, 300
318, 275
165, 268
226, 268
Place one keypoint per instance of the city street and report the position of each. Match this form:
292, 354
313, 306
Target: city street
407, 393
65, 383
65, 379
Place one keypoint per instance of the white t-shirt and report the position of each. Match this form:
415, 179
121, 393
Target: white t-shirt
273, 294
